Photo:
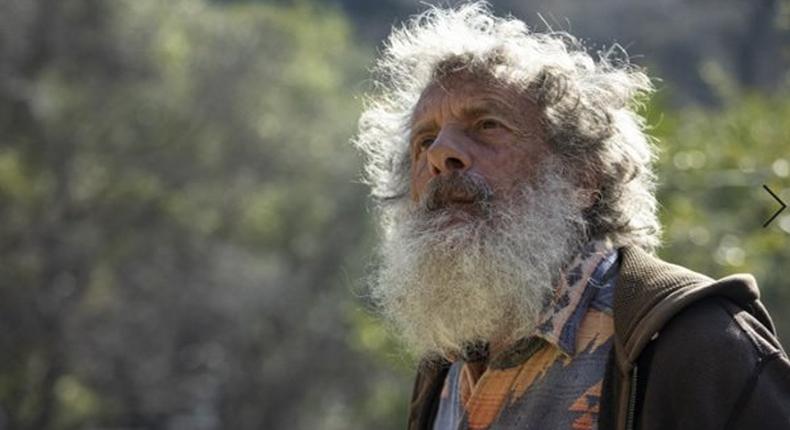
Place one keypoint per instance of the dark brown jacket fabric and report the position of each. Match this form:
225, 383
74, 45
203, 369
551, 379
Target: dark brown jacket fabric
689, 353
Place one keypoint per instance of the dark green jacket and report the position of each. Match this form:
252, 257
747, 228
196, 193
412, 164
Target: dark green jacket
689, 353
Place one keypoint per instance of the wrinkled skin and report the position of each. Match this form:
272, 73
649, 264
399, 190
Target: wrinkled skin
466, 125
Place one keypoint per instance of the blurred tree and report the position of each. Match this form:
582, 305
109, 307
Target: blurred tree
178, 220
712, 168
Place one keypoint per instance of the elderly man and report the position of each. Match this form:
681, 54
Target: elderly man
515, 191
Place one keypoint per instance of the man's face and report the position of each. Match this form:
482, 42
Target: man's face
474, 253
465, 126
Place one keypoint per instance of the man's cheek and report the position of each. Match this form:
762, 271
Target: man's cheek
419, 179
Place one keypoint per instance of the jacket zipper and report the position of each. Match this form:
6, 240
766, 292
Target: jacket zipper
629, 424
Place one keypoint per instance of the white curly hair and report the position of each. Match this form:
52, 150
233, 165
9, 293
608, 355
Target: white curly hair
589, 109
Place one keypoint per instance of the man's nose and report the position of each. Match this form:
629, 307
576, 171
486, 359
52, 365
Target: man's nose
449, 152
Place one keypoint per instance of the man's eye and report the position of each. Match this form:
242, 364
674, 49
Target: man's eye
425, 143
489, 124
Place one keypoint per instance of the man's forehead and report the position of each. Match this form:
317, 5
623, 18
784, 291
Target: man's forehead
463, 94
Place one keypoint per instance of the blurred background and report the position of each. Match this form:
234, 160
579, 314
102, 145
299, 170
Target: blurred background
184, 239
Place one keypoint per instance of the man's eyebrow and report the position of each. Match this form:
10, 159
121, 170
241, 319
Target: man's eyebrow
422, 126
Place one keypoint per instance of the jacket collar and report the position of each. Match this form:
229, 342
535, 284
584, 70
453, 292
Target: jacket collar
650, 291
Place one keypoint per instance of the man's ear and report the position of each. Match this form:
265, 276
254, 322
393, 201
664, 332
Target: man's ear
593, 196
589, 190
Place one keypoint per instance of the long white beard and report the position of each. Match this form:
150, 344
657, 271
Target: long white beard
445, 285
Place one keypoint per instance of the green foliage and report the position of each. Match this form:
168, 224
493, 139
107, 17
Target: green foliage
712, 168
179, 217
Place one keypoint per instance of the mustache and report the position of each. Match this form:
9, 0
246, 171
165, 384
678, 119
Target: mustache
445, 190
